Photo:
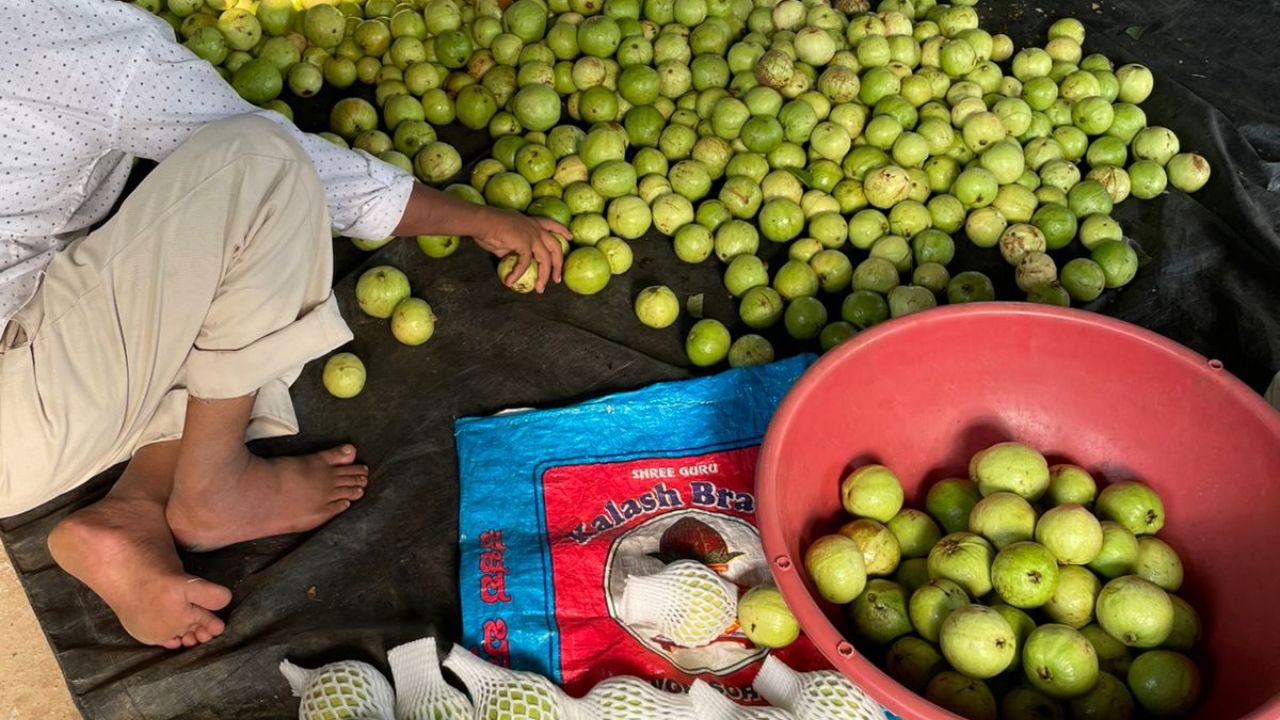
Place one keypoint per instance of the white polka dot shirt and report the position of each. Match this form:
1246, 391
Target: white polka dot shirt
90, 85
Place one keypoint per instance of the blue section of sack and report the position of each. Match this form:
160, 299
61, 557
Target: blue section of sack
508, 602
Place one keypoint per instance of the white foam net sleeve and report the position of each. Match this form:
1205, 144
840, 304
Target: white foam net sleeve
500, 694
422, 693
821, 695
347, 690
686, 601
709, 704
630, 698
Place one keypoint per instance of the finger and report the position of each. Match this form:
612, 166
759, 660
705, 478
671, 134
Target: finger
543, 255
521, 266
557, 255
555, 227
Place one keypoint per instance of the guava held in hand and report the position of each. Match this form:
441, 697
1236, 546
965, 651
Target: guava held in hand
1010, 467
872, 491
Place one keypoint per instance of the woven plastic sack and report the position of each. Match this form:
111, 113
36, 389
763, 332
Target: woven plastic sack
709, 704
500, 694
422, 693
347, 690
562, 510
686, 601
820, 695
630, 698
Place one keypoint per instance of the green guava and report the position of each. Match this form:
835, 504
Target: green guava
1113, 655
258, 81
970, 286
880, 613
380, 289
1073, 601
880, 551
537, 107
950, 502
804, 317
836, 566
907, 299
872, 491
1022, 625
1135, 611
963, 558
1003, 518
760, 308
1108, 700
1010, 467
436, 162
912, 573
977, 641
412, 322
765, 618
1070, 483
657, 306
931, 604
523, 284
931, 276
967, 697
1058, 661
834, 269
1025, 574
1158, 563
618, 254
913, 663
796, 280
750, 350
875, 274
916, 532
587, 270
1165, 683
1119, 551
1071, 532
438, 246
1027, 703
707, 342
1185, 635
1132, 504
1084, 280
1188, 171
344, 375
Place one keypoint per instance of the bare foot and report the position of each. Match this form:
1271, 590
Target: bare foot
121, 548
215, 504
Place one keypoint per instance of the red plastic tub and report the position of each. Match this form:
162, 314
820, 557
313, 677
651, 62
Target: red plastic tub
924, 393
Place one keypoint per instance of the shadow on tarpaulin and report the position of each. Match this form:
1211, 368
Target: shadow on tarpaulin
386, 572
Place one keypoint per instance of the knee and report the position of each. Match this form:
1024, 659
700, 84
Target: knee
251, 134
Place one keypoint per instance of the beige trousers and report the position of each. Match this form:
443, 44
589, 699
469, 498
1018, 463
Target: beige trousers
213, 280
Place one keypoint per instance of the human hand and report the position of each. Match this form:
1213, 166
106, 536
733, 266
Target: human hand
503, 232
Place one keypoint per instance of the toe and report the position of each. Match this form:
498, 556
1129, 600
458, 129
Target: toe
348, 493
351, 481
351, 470
341, 455
189, 640
172, 643
339, 506
203, 635
207, 595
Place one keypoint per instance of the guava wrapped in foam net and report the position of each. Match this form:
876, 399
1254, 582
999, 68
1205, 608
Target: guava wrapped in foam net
421, 691
630, 698
500, 694
821, 695
341, 691
709, 704
686, 601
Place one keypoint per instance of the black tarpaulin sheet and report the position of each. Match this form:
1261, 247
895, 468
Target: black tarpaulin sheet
384, 572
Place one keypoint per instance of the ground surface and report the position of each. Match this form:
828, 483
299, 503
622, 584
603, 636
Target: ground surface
33, 688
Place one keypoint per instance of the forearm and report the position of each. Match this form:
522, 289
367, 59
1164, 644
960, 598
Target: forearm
432, 212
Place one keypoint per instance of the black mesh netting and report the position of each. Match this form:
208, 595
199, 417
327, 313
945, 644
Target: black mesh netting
384, 572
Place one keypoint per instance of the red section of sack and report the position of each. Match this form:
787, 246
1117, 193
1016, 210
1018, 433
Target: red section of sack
607, 520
